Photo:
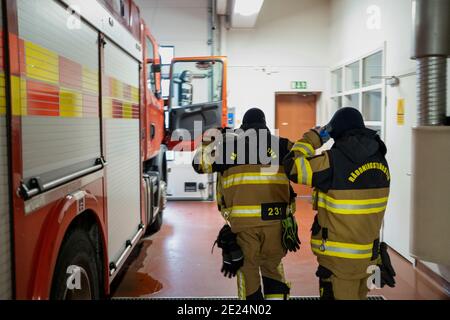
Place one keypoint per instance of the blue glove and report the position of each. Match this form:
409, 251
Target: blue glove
324, 135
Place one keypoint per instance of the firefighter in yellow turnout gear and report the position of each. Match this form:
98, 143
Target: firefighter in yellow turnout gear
351, 193
254, 196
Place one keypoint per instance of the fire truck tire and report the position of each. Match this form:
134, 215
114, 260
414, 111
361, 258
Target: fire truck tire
78, 260
164, 167
157, 224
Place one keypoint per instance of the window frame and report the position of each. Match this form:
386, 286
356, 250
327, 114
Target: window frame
362, 89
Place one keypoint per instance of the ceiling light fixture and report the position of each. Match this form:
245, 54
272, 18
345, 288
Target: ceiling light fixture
247, 7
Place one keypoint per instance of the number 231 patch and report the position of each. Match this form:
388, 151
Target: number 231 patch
273, 211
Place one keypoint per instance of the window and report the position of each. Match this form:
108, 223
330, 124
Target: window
196, 82
151, 81
336, 103
165, 88
371, 105
351, 101
359, 85
116, 5
167, 54
352, 76
336, 76
135, 21
372, 69
121, 9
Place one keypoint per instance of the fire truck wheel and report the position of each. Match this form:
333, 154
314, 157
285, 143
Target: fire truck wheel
77, 270
156, 226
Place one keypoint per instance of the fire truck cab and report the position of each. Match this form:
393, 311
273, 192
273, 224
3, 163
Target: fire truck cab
198, 94
83, 138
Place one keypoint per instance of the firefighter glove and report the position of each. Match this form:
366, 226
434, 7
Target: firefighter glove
323, 133
290, 239
384, 263
232, 255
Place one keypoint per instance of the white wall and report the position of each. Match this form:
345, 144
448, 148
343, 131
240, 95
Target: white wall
182, 23
351, 38
289, 43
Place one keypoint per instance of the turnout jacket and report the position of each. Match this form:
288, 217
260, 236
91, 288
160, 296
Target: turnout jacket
252, 188
351, 188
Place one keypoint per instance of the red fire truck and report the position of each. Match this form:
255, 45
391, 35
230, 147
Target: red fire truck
83, 137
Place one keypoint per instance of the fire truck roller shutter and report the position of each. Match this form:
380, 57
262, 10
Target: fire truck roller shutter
5, 235
121, 118
59, 91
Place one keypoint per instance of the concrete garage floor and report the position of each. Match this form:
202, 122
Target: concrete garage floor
177, 261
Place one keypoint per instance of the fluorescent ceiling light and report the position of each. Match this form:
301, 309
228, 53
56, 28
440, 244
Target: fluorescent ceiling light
247, 7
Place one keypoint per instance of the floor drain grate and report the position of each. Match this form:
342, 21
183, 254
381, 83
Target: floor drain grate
302, 298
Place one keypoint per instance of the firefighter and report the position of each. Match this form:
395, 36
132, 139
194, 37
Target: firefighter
257, 201
351, 192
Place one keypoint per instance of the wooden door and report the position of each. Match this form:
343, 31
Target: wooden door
295, 115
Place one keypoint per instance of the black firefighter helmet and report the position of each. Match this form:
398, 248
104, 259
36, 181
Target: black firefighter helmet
254, 119
343, 121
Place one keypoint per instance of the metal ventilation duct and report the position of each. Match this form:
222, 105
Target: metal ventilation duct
431, 49
430, 222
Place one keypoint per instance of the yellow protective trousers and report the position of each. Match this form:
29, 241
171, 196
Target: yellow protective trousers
335, 288
263, 253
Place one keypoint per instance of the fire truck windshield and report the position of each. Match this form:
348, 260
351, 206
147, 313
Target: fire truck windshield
196, 83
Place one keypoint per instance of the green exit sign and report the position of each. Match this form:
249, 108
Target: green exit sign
299, 85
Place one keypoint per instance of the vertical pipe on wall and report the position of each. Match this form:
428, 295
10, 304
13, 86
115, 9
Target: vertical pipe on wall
212, 27
223, 35
431, 49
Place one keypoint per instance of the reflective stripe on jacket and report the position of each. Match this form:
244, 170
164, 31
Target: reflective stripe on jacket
246, 185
